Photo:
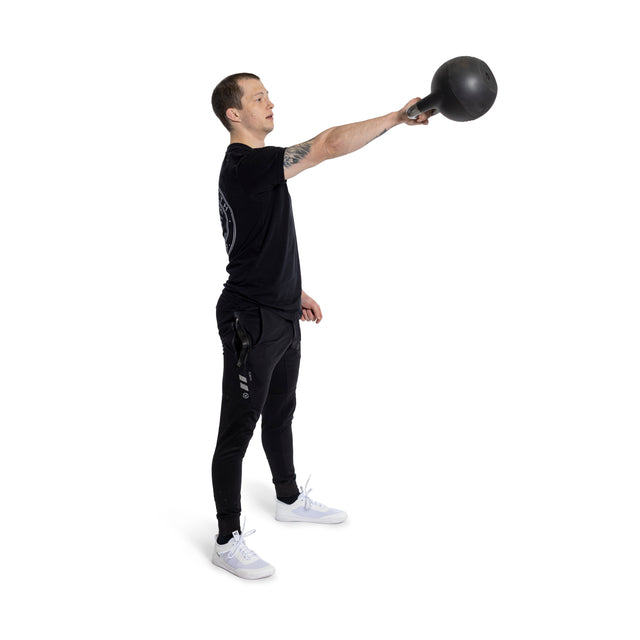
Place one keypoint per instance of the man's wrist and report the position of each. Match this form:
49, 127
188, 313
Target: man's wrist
395, 118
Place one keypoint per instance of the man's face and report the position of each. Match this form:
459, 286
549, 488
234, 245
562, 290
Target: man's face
257, 109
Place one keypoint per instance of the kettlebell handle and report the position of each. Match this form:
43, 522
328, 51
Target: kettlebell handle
430, 102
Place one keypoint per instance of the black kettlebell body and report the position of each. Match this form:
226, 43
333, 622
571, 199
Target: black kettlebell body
462, 89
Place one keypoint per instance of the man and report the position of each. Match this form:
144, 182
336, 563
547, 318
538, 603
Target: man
259, 310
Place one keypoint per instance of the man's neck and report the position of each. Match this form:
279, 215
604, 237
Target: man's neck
242, 137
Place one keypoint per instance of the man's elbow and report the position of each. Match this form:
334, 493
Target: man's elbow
328, 145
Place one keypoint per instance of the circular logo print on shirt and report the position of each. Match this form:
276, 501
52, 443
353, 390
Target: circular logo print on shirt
228, 222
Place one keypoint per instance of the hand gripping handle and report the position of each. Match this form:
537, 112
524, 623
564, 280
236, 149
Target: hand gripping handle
421, 106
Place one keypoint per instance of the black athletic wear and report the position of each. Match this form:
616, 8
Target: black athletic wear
258, 321
258, 228
261, 382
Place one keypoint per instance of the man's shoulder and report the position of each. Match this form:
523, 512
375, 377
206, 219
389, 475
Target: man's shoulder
241, 154
256, 169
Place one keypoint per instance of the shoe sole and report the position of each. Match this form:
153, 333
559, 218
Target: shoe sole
244, 574
335, 519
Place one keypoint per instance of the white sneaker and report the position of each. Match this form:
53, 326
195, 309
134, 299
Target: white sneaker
236, 557
306, 510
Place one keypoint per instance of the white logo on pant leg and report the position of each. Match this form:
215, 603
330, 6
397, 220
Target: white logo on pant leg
244, 386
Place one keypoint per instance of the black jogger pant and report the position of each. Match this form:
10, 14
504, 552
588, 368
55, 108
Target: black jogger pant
261, 352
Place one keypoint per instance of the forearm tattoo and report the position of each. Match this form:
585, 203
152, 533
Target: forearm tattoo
293, 155
380, 134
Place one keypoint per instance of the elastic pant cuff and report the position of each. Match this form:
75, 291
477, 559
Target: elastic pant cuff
287, 489
228, 524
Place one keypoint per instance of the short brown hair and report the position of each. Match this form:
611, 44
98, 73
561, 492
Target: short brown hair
228, 94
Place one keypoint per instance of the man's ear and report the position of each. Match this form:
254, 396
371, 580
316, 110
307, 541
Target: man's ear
233, 115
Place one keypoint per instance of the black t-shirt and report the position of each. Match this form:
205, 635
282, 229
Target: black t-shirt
259, 232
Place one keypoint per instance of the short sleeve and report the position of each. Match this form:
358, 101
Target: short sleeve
262, 169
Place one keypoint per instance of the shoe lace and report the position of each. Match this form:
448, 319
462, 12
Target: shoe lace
304, 494
240, 548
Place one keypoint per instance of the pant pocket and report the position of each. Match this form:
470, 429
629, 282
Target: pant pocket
247, 333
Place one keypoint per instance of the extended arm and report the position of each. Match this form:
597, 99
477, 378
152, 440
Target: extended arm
339, 141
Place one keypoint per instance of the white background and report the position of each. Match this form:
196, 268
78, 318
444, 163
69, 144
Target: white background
471, 398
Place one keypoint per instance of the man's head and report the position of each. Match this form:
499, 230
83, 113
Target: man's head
242, 103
